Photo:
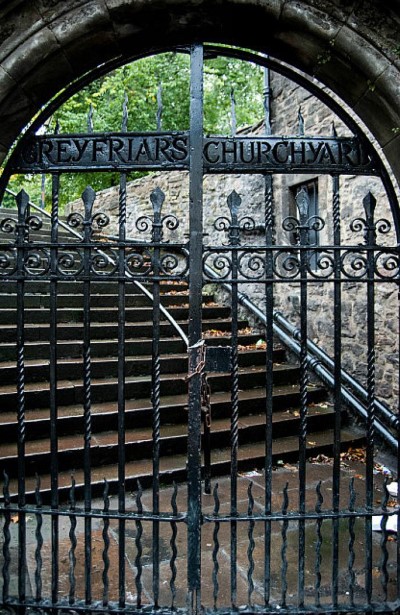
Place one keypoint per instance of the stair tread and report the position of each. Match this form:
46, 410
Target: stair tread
71, 383
65, 412
110, 438
253, 453
111, 359
205, 321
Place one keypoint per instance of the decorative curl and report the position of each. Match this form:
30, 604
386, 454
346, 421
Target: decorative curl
75, 220
138, 263
387, 266
221, 263
320, 265
8, 225
169, 263
143, 224
171, 222
100, 220
8, 261
247, 224
286, 264
37, 262
290, 224
34, 223
357, 225
383, 226
251, 266
222, 224
354, 264
315, 223
104, 262
70, 263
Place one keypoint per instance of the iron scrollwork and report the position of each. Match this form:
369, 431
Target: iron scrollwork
35, 259
152, 258
250, 263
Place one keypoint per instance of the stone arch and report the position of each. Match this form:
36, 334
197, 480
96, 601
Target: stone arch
351, 47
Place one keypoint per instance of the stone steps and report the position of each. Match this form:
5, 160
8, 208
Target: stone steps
251, 456
72, 388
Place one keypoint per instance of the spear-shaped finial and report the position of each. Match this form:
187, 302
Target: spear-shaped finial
267, 100
22, 199
124, 124
334, 131
303, 203
301, 122
159, 107
157, 198
233, 113
88, 197
90, 119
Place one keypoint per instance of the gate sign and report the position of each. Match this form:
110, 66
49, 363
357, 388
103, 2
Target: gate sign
170, 151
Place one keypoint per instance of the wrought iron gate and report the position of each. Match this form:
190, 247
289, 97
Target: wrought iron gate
222, 554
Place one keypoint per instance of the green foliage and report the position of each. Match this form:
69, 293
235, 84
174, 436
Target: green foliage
140, 81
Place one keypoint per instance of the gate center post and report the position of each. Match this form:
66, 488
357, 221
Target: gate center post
195, 298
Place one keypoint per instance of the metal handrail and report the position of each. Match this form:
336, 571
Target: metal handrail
320, 363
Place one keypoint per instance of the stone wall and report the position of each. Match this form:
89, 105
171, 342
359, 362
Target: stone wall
287, 98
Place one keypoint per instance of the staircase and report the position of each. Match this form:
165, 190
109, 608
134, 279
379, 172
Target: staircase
138, 414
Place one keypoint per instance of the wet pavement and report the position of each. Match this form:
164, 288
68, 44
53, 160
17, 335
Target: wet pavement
216, 546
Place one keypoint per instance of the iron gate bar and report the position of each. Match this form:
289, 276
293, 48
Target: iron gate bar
337, 374
234, 202
53, 383
121, 378
369, 204
157, 199
22, 226
302, 225
269, 361
88, 197
195, 298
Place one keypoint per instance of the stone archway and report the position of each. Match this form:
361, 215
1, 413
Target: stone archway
350, 47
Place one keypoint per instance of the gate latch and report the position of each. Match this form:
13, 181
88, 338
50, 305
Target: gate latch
218, 359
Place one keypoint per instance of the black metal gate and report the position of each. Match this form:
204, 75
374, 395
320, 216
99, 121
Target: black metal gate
251, 545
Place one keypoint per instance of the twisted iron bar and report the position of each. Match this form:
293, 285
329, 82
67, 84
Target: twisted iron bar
318, 557
174, 550
216, 547
106, 541
39, 541
352, 555
7, 539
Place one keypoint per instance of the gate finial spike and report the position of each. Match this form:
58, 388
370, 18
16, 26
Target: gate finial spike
90, 119
301, 122
159, 106
234, 202
124, 124
57, 127
233, 113
303, 203
157, 198
369, 204
334, 131
22, 199
88, 197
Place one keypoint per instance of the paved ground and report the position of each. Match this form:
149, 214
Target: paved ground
288, 474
